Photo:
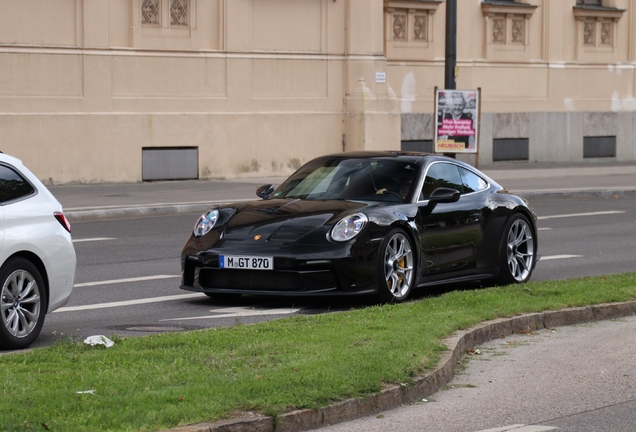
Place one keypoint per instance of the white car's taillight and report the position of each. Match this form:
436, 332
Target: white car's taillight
62, 220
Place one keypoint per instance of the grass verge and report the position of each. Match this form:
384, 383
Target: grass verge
157, 382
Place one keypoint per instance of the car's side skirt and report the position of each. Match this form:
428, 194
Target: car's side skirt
469, 278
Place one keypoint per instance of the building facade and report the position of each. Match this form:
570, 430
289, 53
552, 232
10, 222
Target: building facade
132, 90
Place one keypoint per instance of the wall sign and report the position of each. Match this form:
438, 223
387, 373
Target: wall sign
457, 129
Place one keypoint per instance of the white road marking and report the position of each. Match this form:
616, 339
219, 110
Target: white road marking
118, 281
236, 312
521, 428
128, 302
545, 229
609, 212
555, 257
92, 239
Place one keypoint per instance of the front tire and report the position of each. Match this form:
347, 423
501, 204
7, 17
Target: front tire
396, 267
518, 251
22, 304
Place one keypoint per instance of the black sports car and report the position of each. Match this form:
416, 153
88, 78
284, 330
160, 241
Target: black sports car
363, 223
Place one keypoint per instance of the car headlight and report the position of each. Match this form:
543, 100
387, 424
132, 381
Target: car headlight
348, 227
205, 223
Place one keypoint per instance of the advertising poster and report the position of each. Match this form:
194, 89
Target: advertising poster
457, 121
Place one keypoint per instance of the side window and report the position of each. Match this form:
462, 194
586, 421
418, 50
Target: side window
471, 181
12, 185
441, 175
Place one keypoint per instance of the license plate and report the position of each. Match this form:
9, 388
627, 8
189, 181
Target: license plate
246, 262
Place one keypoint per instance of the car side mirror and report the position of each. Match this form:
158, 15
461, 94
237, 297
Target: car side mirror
444, 195
265, 191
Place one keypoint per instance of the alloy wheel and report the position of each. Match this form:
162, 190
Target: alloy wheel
520, 250
398, 265
20, 303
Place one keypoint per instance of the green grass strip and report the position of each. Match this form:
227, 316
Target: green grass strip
161, 381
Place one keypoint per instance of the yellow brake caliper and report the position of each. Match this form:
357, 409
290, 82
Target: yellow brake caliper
402, 265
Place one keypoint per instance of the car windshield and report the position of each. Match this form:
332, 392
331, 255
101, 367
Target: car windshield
388, 180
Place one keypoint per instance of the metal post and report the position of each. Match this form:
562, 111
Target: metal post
451, 50
451, 45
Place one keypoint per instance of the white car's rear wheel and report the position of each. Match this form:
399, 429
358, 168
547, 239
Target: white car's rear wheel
22, 303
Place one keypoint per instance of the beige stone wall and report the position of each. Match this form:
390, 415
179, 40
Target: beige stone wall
549, 69
542, 65
260, 87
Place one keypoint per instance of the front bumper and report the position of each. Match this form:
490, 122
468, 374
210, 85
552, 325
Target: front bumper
328, 272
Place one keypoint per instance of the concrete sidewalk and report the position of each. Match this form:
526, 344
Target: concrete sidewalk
107, 201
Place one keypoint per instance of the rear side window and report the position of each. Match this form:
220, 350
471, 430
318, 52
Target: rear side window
441, 175
12, 185
472, 182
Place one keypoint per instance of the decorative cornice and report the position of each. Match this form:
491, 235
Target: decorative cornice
597, 12
490, 7
428, 5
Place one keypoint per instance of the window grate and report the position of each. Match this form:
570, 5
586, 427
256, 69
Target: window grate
150, 12
425, 146
510, 149
599, 147
173, 163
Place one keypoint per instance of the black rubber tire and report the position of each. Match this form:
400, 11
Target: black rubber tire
396, 264
21, 336
518, 253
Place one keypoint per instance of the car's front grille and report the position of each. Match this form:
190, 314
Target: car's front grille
262, 280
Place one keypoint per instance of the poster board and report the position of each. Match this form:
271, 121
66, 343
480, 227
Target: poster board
457, 125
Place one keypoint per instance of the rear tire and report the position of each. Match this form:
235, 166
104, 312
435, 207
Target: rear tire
518, 251
396, 267
22, 303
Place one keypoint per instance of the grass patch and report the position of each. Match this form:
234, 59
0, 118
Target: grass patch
157, 382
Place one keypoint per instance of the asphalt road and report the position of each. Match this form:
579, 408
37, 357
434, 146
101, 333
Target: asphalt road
128, 270
585, 237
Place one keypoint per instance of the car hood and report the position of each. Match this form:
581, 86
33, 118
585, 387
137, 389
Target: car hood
283, 220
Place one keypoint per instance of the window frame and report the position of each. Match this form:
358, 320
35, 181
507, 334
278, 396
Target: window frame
163, 35
459, 167
510, 11
419, 38
598, 25
164, 15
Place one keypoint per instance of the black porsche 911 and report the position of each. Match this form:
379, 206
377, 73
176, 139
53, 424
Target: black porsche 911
364, 223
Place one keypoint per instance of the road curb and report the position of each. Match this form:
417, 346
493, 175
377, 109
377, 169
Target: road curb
394, 396
579, 193
135, 212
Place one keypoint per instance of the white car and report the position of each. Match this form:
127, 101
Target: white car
37, 258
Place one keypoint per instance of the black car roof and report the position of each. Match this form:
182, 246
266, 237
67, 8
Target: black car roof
411, 156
